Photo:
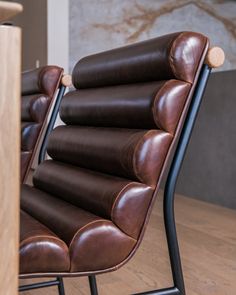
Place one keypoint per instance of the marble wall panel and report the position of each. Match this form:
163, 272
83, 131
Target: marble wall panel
97, 25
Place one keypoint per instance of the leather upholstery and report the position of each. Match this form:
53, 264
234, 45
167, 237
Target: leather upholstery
173, 56
41, 247
146, 103
101, 194
122, 152
122, 124
42, 80
38, 90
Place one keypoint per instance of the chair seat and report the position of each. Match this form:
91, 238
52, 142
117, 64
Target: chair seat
40, 249
60, 237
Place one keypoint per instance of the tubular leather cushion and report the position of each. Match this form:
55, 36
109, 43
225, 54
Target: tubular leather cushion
122, 125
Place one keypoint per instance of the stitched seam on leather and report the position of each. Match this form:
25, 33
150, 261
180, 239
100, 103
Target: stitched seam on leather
172, 65
31, 105
116, 200
118, 196
35, 101
181, 113
42, 236
86, 225
162, 88
154, 112
134, 156
58, 82
41, 74
95, 221
171, 55
200, 59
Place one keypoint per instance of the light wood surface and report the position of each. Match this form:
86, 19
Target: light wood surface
9, 9
66, 80
9, 157
215, 57
207, 237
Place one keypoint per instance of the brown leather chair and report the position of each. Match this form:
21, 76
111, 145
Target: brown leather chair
39, 89
88, 208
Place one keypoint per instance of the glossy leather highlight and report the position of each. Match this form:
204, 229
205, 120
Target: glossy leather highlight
41, 80
173, 56
40, 249
122, 125
120, 200
144, 105
134, 154
78, 228
34, 107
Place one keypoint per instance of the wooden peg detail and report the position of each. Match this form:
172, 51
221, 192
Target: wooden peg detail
215, 57
66, 80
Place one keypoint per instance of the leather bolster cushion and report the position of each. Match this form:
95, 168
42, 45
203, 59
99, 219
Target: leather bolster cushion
40, 249
42, 80
123, 201
85, 234
145, 105
173, 56
130, 153
29, 135
34, 107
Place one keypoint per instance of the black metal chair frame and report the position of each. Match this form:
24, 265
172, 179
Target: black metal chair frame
51, 123
178, 287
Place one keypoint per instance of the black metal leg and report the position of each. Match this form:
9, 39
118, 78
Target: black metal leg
39, 285
169, 192
61, 289
167, 291
93, 285
43, 149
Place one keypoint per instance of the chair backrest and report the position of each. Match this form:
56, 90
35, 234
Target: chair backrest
122, 123
39, 87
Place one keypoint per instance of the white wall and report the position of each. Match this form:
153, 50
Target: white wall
58, 36
58, 33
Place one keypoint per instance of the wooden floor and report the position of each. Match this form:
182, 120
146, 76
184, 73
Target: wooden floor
207, 237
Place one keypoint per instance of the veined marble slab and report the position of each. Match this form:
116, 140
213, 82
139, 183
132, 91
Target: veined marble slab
98, 25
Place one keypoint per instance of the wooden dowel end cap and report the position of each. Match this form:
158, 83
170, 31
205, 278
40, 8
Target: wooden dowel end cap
66, 80
215, 57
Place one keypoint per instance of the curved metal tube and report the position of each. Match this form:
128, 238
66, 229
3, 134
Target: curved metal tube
55, 110
169, 192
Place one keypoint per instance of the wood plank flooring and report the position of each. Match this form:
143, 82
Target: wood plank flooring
207, 238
